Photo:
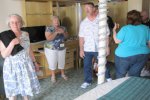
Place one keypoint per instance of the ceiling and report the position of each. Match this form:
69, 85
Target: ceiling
63, 2
68, 2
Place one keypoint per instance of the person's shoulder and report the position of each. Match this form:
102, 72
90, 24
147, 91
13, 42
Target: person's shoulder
6, 32
126, 26
84, 20
25, 33
137, 27
50, 26
145, 26
129, 26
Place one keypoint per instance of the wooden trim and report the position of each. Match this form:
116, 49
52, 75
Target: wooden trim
24, 12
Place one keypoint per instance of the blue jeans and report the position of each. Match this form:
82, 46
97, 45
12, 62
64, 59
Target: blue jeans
107, 73
88, 65
132, 65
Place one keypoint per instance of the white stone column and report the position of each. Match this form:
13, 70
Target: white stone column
102, 40
78, 16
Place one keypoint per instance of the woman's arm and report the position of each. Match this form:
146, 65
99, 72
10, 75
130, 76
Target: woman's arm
107, 46
5, 52
115, 34
32, 56
149, 44
50, 36
34, 60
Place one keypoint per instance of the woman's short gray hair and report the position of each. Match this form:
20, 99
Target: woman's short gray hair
16, 15
55, 17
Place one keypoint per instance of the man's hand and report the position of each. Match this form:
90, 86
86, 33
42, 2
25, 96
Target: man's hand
116, 26
82, 54
107, 51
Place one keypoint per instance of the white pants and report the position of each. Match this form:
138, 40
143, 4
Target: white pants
55, 57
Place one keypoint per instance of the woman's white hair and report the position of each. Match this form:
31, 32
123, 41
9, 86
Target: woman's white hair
55, 17
16, 15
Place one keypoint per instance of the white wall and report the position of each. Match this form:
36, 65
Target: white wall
9, 7
15, 6
135, 5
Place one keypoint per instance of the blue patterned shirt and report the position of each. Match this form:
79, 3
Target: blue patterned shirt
58, 42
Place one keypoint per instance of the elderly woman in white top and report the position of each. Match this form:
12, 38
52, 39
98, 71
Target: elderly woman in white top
54, 47
19, 66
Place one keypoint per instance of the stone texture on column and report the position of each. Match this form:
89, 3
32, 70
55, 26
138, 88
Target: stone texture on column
102, 40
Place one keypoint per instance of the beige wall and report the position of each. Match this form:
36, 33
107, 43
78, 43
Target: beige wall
15, 6
146, 6
117, 10
38, 13
135, 4
68, 18
8, 7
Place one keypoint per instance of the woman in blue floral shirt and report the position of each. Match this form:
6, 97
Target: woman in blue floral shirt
55, 50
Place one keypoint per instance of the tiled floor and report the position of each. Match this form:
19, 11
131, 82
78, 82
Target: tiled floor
63, 90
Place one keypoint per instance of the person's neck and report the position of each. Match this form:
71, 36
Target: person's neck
91, 17
17, 32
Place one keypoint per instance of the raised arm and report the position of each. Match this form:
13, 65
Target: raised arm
6, 51
50, 35
107, 46
107, 42
115, 34
63, 31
